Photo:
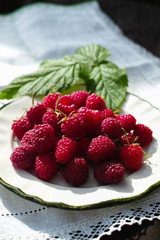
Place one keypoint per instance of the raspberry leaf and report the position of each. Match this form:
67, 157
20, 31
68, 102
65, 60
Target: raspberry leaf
89, 56
93, 53
109, 82
88, 67
60, 76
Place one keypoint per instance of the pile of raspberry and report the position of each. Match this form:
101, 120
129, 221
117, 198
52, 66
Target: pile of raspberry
70, 133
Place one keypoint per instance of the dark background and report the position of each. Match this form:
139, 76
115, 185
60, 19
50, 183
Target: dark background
139, 21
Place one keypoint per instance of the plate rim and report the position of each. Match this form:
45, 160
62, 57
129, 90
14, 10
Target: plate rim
103, 204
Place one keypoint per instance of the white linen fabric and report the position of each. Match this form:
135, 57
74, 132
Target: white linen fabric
42, 31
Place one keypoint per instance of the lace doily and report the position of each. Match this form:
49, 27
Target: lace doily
66, 225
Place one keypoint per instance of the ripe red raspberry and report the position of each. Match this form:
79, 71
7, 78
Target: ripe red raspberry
109, 173
107, 112
26, 139
130, 137
51, 118
43, 138
23, 157
50, 100
76, 172
92, 119
20, 127
74, 127
65, 150
66, 104
111, 127
144, 134
127, 122
95, 102
46, 166
80, 98
100, 149
131, 157
83, 145
35, 113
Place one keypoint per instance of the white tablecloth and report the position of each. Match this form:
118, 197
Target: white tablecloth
42, 31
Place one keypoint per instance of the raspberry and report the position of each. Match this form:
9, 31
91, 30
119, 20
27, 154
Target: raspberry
144, 134
80, 98
111, 127
51, 118
21, 126
50, 100
46, 166
100, 149
130, 136
74, 127
43, 138
107, 112
35, 113
66, 104
23, 157
65, 150
127, 122
83, 145
76, 172
92, 119
95, 102
131, 157
26, 139
109, 173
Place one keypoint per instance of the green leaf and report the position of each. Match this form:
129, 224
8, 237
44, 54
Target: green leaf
92, 53
50, 63
89, 68
60, 77
110, 82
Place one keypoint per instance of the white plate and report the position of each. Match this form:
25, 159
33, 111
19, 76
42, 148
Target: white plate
90, 195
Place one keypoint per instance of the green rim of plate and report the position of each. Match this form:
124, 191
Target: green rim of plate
61, 205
